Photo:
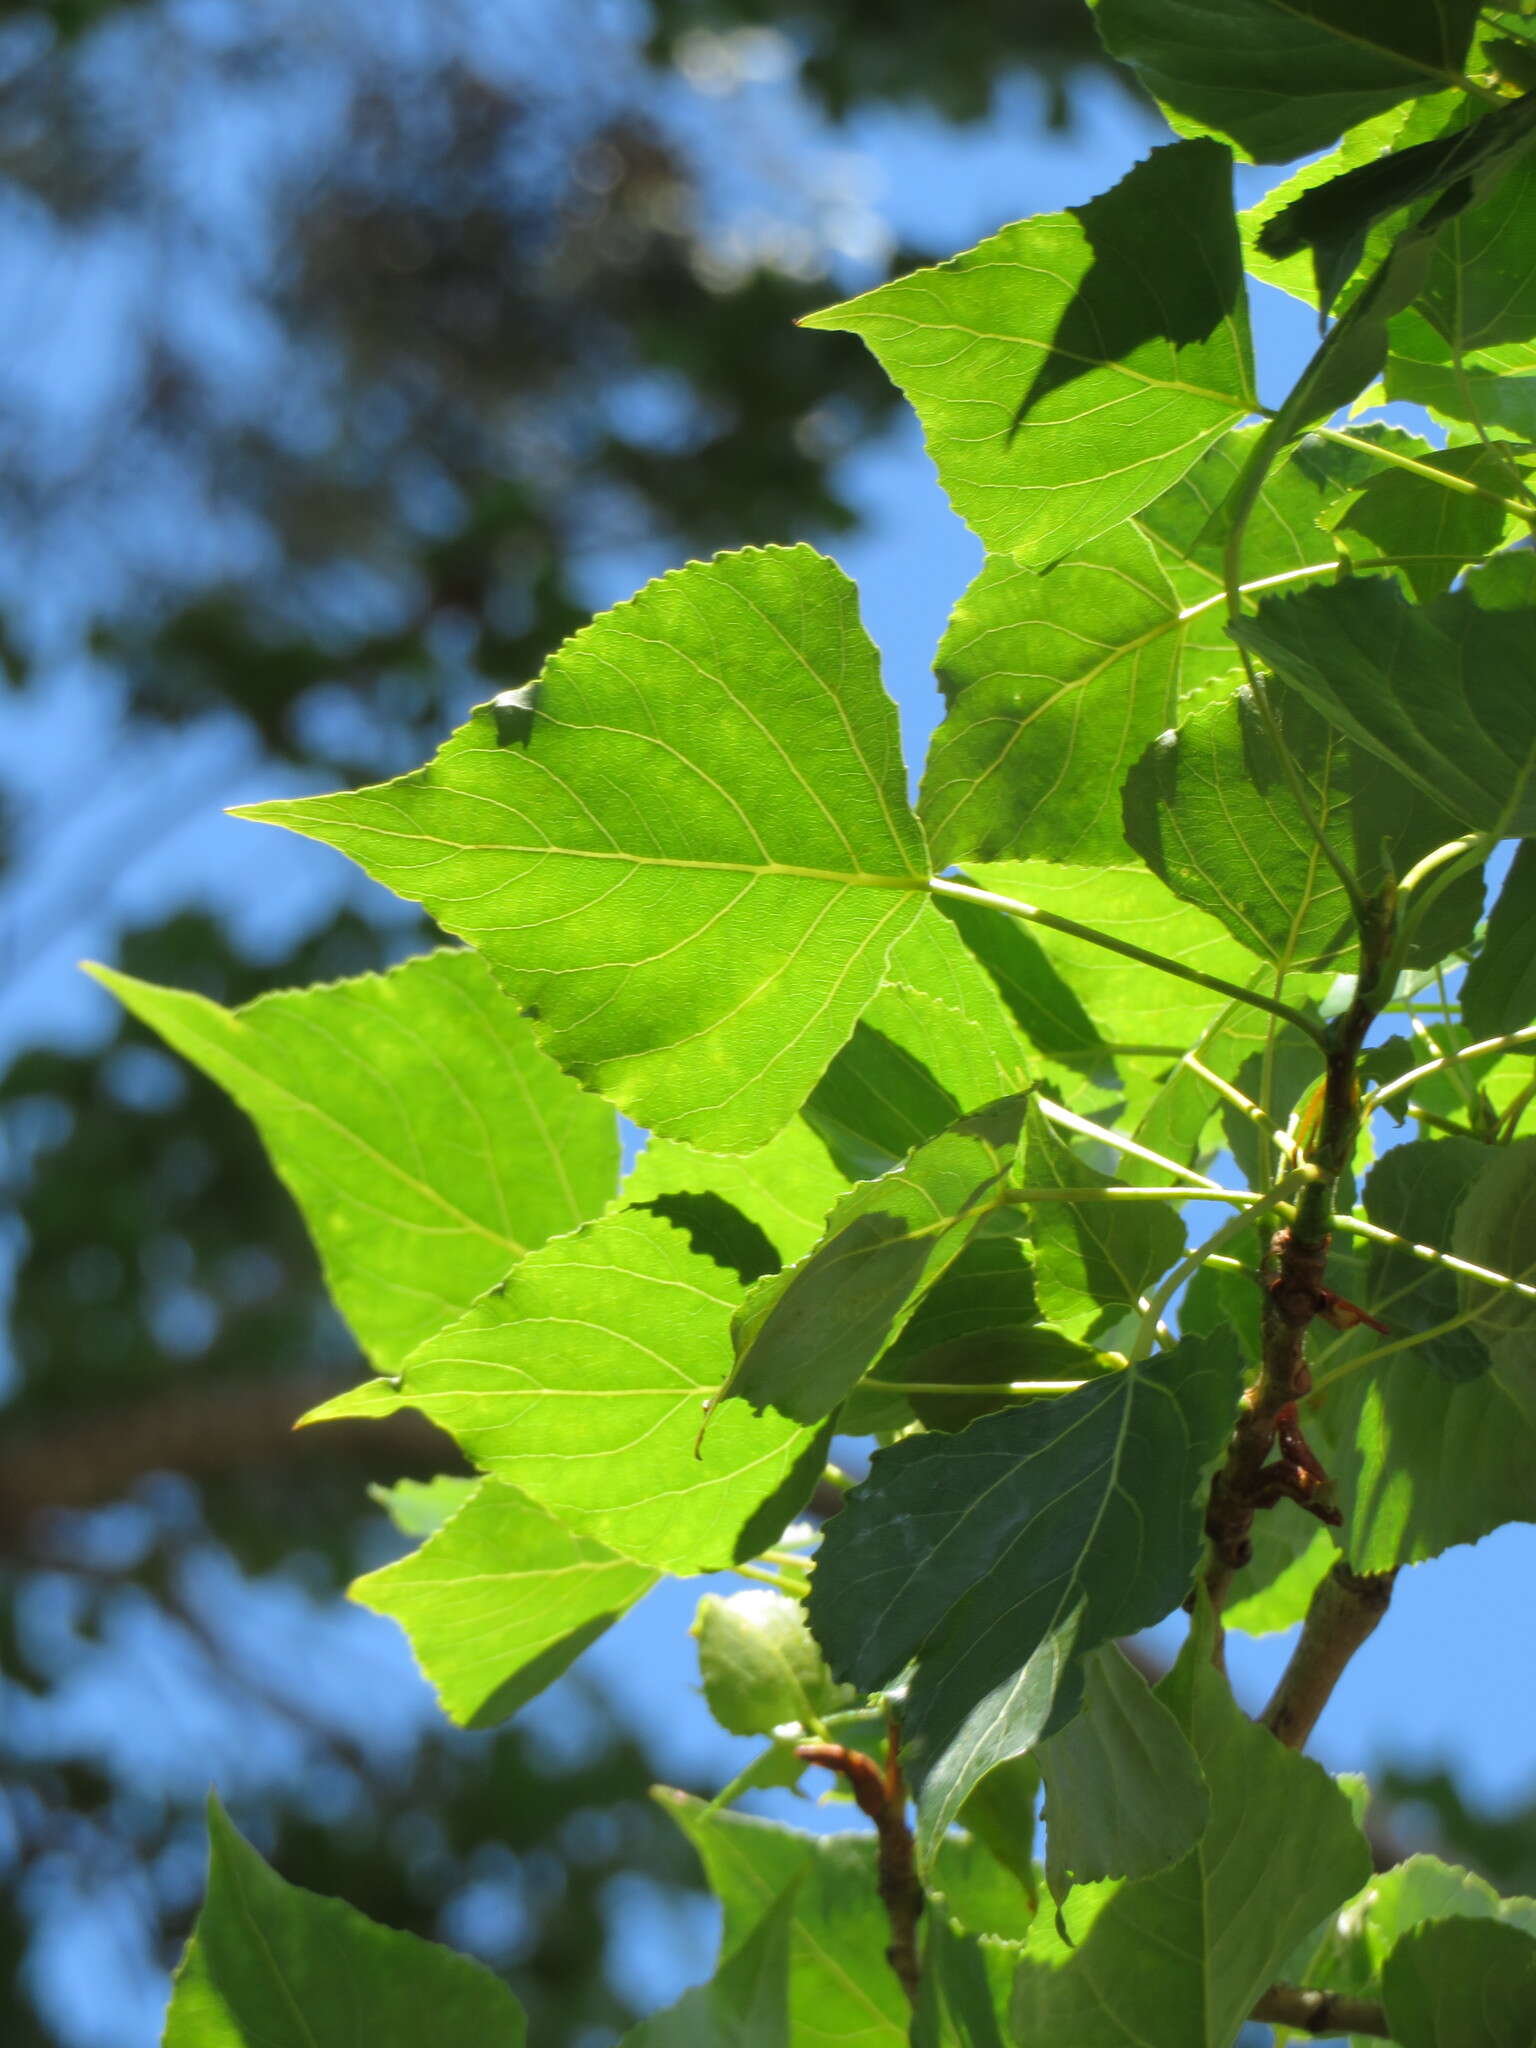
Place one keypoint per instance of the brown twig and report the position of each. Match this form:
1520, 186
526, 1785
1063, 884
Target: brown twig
882, 1795
1345, 1610
1320, 2012
1297, 1292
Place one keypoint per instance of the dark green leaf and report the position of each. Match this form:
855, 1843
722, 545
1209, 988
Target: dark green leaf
692, 864
1211, 810
1499, 993
584, 1382
1177, 1960
963, 2002
1495, 1228
759, 1663
428, 1141
1462, 1983
1417, 1190
1073, 366
501, 1600
1285, 77
1093, 1258
1000, 1813
804, 1338
997, 1556
1440, 691
270, 1966
1429, 531
1123, 1793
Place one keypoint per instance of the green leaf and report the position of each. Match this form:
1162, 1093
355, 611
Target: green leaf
912, 1066
1493, 387
1093, 1259
1308, 196
583, 1382
1440, 691
1054, 683
1462, 1984
759, 1663
1430, 531
843, 1993
427, 1140
980, 1325
419, 1507
1499, 993
1417, 1190
1283, 78
1000, 1814
1071, 367
1357, 1940
1177, 1960
1481, 289
1335, 219
1133, 1006
1211, 810
1123, 1793
1291, 1558
686, 849
804, 1338
998, 1556
786, 1189
963, 1999
271, 1966
744, 2005
1040, 1001
501, 1600
1495, 1227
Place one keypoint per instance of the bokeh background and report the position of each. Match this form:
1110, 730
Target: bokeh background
349, 356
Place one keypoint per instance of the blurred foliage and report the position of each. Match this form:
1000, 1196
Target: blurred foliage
356, 339
1431, 1808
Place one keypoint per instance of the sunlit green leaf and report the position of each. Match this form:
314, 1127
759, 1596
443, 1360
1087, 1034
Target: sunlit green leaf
1291, 1558
1123, 1792
686, 849
1070, 368
1285, 77
805, 1337
583, 1383
271, 1966
1357, 1941
1429, 531
997, 1556
426, 1138
759, 1663
786, 1188
419, 1507
500, 1600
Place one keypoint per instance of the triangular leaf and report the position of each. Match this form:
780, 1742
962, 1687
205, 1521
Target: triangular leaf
271, 1966
1070, 368
584, 1382
428, 1141
687, 850
501, 1600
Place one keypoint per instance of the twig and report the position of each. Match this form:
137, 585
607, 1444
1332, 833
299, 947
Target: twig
1320, 2012
883, 1797
1345, 1611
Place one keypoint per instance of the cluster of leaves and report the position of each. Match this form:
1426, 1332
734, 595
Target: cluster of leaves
1236, 714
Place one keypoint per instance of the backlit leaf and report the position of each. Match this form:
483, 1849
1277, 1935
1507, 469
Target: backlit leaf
1462, 1983
759, 1663
271, 1966
1499, 993
690, 857
428, 1141
1071, 367
500, 1600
